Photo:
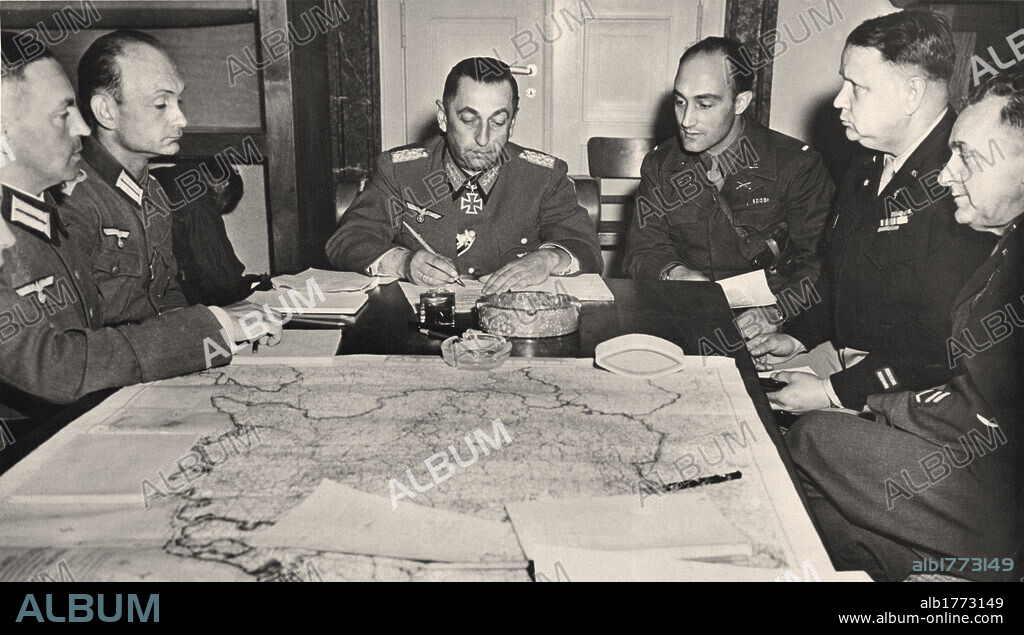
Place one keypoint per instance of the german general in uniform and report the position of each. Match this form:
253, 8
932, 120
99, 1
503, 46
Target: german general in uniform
727, 196
489, 209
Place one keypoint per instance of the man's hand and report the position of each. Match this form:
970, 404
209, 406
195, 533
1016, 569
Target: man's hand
250, 323
803, 392
429, 270
772, 349
524, 272
758, 321
682, 272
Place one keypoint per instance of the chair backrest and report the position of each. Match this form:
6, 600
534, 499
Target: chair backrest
345, 193
617, 158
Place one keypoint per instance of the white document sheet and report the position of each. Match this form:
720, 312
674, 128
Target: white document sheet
297, 347
747, 290
335, 517
330, 281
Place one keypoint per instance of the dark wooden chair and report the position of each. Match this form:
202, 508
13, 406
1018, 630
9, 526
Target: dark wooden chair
615, 158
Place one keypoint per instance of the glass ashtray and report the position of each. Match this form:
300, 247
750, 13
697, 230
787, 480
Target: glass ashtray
475, 350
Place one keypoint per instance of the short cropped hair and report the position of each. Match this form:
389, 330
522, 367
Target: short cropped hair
485, 70
1009, 84
17, 54
98, 69
741, 77
910, 38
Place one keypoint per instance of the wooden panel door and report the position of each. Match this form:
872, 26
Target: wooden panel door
432, 36
613, 77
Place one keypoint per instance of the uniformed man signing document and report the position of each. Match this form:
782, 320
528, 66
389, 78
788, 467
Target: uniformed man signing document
54, 343
488, 209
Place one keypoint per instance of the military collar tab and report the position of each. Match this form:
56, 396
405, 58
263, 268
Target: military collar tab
751, 154
112, 172
39, 217
67, 187
459, 180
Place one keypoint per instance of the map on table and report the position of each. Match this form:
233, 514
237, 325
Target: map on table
187, 478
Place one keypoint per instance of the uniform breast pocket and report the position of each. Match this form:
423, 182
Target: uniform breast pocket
758, 216
684, 215
117, 274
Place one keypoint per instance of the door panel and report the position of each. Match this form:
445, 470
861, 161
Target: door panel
439, 33
626, 56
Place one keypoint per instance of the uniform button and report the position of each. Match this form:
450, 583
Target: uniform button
471, 270
523, 241
866, 181
520, 255
113, 269
77, 276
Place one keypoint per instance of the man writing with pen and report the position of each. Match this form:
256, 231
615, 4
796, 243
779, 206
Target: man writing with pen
469, 204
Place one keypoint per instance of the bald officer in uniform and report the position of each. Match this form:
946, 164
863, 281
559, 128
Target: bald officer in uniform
129, 91
53, 344
896, 256
727, 196
937, 477
491, 209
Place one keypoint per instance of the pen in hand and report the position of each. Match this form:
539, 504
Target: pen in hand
255, 347
419, 239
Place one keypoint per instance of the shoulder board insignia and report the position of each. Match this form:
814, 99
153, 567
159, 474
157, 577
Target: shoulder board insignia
409, 154
538, 158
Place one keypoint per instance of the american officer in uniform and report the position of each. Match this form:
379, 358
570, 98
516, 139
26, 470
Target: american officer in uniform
489, 208
896, 255
727, 196
938, 475
130, 94
53, 342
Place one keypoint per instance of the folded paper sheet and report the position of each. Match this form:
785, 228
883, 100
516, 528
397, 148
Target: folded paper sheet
683, 524
747, 290
330, 281
300, 347
339, 518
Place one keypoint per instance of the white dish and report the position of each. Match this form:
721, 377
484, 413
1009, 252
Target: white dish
639, 355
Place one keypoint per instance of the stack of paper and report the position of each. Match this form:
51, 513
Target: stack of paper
330, 281
587, 287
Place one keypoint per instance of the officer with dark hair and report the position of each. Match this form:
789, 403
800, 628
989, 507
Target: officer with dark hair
491, 209
896, 256
726, 195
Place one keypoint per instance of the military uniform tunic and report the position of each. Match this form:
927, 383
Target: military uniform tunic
896, 261
53, 344
939, 474
130, 227
530, 202
771, 180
